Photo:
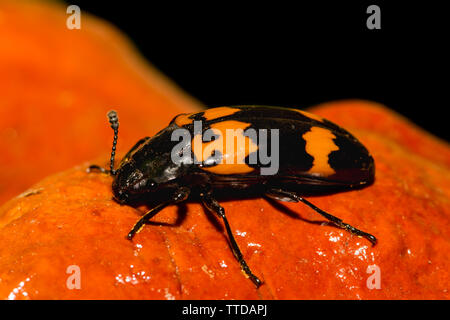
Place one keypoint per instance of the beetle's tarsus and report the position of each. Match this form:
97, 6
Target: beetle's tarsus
130, 235
95, 167
357, 232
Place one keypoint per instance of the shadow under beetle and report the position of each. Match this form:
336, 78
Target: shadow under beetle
314, 155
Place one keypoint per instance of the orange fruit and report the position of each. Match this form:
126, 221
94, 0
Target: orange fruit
69, 219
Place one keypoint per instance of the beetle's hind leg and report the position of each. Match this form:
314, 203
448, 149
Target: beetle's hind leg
292, 197
214, 206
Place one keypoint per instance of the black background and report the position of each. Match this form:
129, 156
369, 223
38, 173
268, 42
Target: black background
295, 53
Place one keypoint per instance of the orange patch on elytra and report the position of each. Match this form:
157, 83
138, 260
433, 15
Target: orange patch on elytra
183, 119
210, 114
215, 113
231, 142
319, 144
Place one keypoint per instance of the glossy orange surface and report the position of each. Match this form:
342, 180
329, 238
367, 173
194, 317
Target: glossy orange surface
70, 219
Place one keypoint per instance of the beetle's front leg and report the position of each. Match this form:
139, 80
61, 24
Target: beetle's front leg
179, 196
214, 206
95, 167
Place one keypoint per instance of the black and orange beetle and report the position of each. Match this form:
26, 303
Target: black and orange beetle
309, 154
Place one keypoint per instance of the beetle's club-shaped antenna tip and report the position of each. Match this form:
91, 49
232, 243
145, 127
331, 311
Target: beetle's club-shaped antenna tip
114, 121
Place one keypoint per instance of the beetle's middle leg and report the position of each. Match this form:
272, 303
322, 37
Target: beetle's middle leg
214, 206
282, 195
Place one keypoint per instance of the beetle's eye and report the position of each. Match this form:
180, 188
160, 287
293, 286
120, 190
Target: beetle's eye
144, 184
140, 185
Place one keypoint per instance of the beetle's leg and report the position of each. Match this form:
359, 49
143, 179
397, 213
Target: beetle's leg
146, 217
179, 196
214, 206
95, 167
292, 197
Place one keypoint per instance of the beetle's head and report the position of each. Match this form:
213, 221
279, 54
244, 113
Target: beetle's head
130, 184
147, 171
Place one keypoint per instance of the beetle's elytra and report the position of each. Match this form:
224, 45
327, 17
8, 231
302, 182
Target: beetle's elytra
308, 154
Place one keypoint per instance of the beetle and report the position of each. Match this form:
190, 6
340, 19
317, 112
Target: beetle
314, 155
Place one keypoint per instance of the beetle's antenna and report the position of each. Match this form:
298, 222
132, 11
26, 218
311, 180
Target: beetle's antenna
114, 121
